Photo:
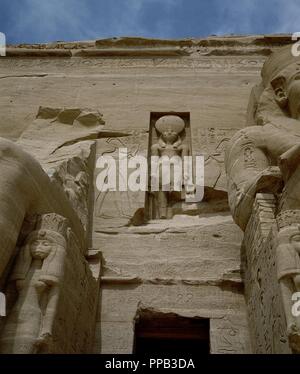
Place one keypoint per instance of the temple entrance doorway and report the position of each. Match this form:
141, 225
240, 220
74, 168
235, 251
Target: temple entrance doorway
159, 333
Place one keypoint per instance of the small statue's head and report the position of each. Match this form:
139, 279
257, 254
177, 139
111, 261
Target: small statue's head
282, 72
50, 232
169, 127
42, 242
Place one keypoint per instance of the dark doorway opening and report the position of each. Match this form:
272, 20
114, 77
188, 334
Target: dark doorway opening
171, 334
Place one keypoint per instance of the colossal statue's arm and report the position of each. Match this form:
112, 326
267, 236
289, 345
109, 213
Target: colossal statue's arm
25, 190
289, 161
249, 171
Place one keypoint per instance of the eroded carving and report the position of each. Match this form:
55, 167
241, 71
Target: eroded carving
118, 207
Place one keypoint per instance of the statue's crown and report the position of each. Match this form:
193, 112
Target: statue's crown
277, 62
52, 222
173, 122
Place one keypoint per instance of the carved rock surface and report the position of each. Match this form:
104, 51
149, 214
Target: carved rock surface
188, 266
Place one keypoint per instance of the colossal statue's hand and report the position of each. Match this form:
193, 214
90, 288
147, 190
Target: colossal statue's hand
297, 282
289, 160
269, 181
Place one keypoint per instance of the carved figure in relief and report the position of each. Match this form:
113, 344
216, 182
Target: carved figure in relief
288, 270
76, 188
169, 146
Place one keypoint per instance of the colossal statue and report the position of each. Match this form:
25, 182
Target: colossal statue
263, 170
265, 157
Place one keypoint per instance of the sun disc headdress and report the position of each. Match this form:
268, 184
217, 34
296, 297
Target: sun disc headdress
170, 122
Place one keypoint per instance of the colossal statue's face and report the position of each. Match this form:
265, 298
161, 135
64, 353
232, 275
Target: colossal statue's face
293, 96
290, 235
295, 241
286, 88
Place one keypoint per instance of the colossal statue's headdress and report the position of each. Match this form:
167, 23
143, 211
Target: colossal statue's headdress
278, 61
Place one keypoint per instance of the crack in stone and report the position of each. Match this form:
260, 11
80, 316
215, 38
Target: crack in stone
25, 76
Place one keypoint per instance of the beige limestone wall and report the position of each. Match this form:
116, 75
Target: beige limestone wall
215, 89
189, 266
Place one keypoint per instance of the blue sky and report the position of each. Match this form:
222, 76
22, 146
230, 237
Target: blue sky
28, 21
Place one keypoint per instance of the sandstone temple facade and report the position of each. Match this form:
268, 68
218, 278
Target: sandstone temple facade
91, 271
